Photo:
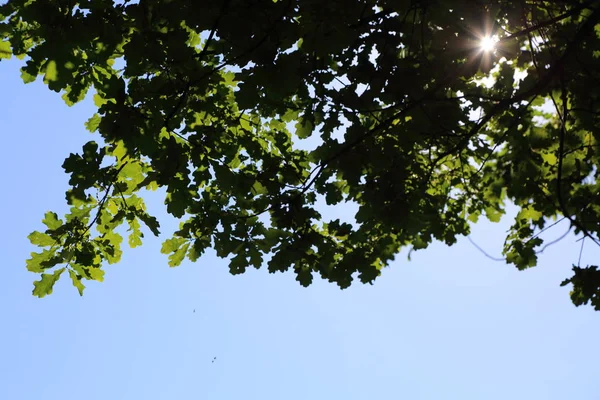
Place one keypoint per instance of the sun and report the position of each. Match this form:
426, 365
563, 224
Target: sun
488, 43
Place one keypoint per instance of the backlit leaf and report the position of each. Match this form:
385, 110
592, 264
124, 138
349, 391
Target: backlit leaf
77, 281
40, 239
45, 285
5, 50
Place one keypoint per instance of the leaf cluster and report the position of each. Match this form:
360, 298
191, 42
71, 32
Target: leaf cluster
407, 117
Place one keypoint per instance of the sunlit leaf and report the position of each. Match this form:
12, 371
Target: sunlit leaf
45, 285
77, 281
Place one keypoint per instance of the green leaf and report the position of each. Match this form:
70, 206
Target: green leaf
549, 158
304, 128
40, 239
96, 274
586, 286
258, 189
530, 213
238, 264
99, 101
39, 262
93, 123
89, 273
177, 203
493, 214
177, 247
108, 246
27, 77
51, 74
51, 221
76, 279
304, 276
5, 50
135, 240
171, 245
151, 222
178, 255
45, 285
198, 248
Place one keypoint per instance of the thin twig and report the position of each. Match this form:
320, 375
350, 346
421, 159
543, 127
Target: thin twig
484, 252
561, 237
546, 228
580, 252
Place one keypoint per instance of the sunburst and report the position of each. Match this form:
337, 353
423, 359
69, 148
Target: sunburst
488, 43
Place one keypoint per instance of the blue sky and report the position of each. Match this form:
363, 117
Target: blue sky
450, 324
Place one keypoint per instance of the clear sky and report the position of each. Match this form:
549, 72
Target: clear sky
450, 324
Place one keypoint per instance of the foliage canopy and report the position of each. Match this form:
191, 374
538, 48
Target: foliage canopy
211, 100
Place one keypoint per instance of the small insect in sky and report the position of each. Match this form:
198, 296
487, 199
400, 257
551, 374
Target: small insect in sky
214, 358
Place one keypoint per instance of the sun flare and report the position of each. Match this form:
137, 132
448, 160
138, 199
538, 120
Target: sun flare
488, 43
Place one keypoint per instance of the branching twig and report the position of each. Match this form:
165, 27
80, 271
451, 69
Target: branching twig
546, 228
102, 202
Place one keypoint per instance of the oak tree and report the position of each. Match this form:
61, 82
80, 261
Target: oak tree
424, 114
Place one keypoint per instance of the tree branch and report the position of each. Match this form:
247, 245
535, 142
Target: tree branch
549, 22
